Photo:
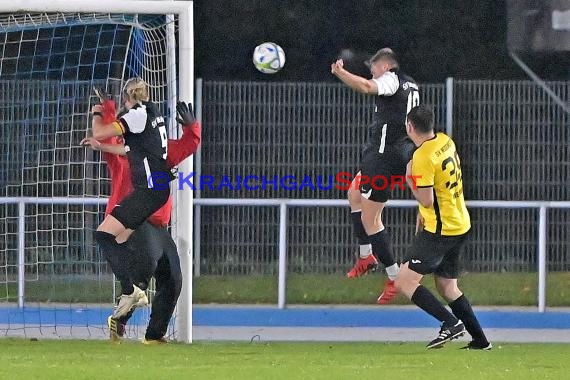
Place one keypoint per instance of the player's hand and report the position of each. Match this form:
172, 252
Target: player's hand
419, 223
91, 142
185, 113
108, 109
101, 94
337, 66
97, 108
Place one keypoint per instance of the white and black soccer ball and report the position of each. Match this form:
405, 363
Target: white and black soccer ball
268, 58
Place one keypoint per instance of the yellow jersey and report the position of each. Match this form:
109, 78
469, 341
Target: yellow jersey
436, 162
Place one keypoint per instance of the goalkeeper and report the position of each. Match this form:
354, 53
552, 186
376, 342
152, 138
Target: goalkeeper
151, 248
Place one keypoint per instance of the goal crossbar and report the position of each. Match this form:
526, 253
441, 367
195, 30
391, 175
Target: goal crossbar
100, 6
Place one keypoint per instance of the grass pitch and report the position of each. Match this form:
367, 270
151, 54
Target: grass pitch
517, 289
75, 359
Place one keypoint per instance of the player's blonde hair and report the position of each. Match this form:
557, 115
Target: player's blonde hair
136, 89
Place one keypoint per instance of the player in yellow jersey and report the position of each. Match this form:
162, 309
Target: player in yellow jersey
434, 175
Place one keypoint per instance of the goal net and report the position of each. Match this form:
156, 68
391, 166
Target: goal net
54, 281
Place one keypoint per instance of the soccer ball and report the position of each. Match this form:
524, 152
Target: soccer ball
268, 58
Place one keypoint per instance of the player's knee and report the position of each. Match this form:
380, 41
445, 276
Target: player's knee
448, 290
452, 294
104, 237
372, 225
354, 197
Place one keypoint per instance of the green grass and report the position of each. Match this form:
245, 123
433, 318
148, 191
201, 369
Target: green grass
70, 291
46, 360
518, 289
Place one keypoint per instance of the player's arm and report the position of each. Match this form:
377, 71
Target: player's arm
180, 149
420, 177
424, 196
420, 222
357, 83
118, 149
104, 122
386, 85
102, 130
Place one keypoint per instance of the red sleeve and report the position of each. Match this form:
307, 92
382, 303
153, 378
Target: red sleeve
119, 173
161, 217
186, 145
109, 111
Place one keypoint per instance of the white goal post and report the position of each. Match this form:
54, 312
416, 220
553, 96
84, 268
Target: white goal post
183, 11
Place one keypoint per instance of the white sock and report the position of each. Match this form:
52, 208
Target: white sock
365, 250
392, 271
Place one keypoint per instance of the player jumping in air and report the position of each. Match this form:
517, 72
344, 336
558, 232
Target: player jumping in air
386, 154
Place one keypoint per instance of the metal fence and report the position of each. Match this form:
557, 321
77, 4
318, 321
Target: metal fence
511, 137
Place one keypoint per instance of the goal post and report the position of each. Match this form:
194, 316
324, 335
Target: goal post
178, 77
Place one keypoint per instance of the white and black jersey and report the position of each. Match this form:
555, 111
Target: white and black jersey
146, 143
397, 94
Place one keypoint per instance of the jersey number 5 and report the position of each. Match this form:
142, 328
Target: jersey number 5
164, 139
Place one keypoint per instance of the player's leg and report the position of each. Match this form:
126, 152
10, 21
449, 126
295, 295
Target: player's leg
381, 169
143, 254
168, 276
426, 254
115, 252
375, 191
446, 283
365, 261
130, 213
381, 245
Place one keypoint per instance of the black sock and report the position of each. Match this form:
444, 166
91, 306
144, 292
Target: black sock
359, 230
462, 310
117, 256
382, 247
428, 303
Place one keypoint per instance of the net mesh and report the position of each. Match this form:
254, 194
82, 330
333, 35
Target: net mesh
48, 67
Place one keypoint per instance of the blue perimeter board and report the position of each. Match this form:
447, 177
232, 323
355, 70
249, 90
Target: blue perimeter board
291, 317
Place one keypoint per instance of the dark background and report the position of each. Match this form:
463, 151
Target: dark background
434, 39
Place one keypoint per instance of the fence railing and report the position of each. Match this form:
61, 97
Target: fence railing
284, 205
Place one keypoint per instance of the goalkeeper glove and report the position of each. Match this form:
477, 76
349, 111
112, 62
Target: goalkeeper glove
109, 110
185, 114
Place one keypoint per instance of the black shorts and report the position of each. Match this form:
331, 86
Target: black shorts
139, 205
431, 253
385, 170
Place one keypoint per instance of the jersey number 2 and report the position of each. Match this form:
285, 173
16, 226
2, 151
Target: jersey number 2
164, 139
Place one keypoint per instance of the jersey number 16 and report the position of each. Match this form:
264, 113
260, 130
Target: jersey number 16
413, 101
